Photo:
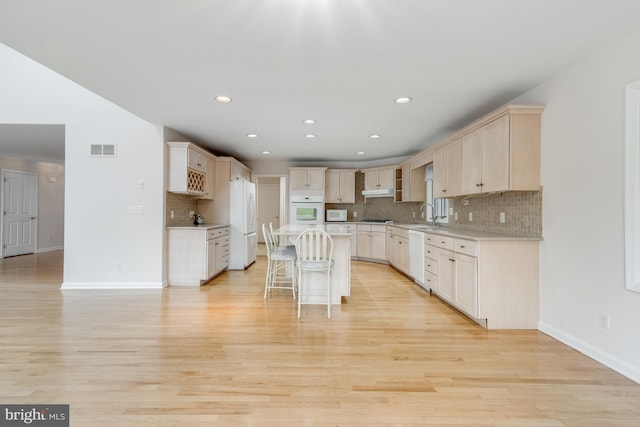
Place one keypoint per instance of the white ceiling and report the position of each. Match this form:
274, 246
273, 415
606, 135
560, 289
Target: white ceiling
340, 62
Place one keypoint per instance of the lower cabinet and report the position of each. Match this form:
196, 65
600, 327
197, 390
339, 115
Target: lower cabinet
398, 248
197, 254
371, 241
496, 282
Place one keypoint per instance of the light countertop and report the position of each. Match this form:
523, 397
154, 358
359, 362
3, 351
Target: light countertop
196, 227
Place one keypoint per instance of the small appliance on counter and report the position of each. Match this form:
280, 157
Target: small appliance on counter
336, 215
198, 220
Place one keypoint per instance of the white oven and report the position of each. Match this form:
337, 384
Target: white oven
308, 210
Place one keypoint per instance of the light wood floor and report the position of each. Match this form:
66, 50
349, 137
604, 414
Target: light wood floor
221, 355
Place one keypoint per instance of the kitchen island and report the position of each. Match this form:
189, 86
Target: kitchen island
315, 283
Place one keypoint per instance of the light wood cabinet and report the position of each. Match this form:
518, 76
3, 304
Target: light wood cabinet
196, 254
496, 282
447, 169
305, 179
398, 248
188, 170
379, 178
413, 182
485, 158
340, 186
371, 241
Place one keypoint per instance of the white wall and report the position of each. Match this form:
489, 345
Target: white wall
104, 246
582, 271
50, 223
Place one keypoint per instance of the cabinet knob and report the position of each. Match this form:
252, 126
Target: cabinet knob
461, 246
444, 191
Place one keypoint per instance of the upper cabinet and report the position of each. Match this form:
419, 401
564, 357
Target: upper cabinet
191, 170
379, 178
307, 181
447, 169
500, 152
414, 187
340, 186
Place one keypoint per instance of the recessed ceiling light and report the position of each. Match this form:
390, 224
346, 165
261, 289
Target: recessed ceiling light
402, 100
223, 99
266, 152
360, 153
309, 135
308, 121
374, 136
252, 135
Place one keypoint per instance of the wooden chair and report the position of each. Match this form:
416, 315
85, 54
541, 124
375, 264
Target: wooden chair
281, 265
314, 248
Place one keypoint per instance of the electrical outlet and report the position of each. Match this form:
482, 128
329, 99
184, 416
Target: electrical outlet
503, 218
456, 216
192, 214
605, 321
451, 211
470, 216
173, 214
355, 214
413, 213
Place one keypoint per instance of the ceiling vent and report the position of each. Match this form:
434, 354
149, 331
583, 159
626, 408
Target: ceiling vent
103, 150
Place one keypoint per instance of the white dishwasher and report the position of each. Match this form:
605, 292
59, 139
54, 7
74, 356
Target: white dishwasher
416, 256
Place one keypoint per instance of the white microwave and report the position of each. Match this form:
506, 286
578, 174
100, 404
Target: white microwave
336, 215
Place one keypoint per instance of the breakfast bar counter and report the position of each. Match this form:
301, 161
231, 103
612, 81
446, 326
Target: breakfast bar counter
315, 283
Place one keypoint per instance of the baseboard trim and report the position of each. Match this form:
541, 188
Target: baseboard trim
622, 367
111, 285
55, 248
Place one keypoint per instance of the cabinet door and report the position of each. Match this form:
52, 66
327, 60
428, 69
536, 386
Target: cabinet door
404, 255
472, 162
210, 182
446, 274
371, 180
347, 187
495, 156
364, 244
211, 257
332, 187
387, 178
440, 172
298, 179
466, 284
315, 179
454, 168
378, 245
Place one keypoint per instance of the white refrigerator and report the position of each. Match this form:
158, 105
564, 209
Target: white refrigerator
243, 218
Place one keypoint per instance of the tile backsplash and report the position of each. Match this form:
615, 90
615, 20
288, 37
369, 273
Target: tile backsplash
522, 211
181, 205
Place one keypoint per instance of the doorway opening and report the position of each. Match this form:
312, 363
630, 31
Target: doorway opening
272, 201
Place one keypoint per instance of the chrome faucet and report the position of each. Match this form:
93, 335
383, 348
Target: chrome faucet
434, 218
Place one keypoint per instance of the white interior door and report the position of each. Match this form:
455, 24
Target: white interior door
19, 213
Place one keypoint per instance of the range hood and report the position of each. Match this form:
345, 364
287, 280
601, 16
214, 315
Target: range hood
379, 192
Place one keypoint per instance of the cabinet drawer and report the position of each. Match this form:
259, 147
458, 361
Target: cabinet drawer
467, 247
431, 266
443, 242
217, 232
379, 228
430, 251
430, 280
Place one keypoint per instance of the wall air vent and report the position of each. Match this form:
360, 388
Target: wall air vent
103, 150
